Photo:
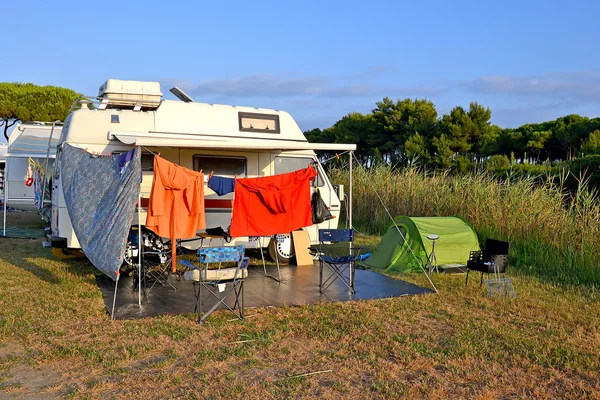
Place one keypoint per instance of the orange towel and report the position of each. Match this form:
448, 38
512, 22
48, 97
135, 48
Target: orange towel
176, 208
273, 204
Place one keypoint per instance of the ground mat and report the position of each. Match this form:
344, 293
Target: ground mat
35, 232
299, 286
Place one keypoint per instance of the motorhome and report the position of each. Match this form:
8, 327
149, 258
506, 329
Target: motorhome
31, 142
229, 141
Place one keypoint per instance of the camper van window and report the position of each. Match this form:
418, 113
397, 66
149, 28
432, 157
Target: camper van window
254, 122
221, 166
291, 164
147, 162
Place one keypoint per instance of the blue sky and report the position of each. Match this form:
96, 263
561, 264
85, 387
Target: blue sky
529, 61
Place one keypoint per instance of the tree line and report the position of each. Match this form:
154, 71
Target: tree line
29, 102
409, 131
397, 132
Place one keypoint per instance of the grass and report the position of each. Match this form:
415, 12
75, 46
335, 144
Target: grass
56, 340
553, 234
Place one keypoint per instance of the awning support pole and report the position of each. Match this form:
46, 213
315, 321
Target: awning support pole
112, 312
4, 206
350, 215
139, 249
350, 190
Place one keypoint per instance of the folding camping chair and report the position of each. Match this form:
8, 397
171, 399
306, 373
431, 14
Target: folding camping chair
156, 261
493, 259
157, 269
335, 252
216, 281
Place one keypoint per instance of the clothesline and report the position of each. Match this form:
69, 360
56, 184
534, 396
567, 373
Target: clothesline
101, 154
337, 156
262, 205
148, 150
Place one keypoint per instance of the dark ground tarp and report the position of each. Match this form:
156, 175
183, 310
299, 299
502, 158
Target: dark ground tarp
101, 194
22, 224
299, 286
457, 239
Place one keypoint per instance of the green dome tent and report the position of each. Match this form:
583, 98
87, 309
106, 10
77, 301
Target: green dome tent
456, 240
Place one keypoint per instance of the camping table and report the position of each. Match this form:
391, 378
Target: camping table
459, 267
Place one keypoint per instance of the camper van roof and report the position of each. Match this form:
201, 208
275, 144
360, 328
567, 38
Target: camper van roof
30, 139
131, 112
176, 123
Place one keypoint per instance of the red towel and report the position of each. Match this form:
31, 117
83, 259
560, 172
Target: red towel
273, 204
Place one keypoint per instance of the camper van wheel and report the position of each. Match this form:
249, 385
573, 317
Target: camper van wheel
282, 250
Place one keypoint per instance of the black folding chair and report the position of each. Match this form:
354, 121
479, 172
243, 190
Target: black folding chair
335, 251
220, 282
493, 259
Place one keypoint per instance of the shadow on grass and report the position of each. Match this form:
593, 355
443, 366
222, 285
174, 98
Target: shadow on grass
19, 253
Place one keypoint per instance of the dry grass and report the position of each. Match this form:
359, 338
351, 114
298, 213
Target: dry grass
57, 340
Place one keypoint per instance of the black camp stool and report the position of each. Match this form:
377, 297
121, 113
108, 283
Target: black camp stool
335, 251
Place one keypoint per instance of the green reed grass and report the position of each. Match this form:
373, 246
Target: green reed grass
553, 233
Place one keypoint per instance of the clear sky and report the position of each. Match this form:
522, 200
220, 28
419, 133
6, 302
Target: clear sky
529, 61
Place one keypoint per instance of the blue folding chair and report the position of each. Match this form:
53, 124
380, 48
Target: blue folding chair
213, 280
335, 251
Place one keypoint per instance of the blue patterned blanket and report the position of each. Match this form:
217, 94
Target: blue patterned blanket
101, 195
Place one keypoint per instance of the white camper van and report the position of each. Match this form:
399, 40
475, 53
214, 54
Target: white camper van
226, 140
31, 140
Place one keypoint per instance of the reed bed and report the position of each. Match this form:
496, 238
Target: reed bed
553, 233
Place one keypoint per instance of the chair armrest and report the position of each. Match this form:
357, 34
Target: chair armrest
187, 264
245, 262
356, 251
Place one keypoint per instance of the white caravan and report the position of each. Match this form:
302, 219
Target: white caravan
31, 140
226, 140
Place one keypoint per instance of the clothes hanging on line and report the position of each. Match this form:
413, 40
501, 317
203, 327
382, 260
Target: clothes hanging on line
41, 179
221, 185
176, 207
100, 199
273, 204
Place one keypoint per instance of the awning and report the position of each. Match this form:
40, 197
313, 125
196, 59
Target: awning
32, 141
32, 154
158, 139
